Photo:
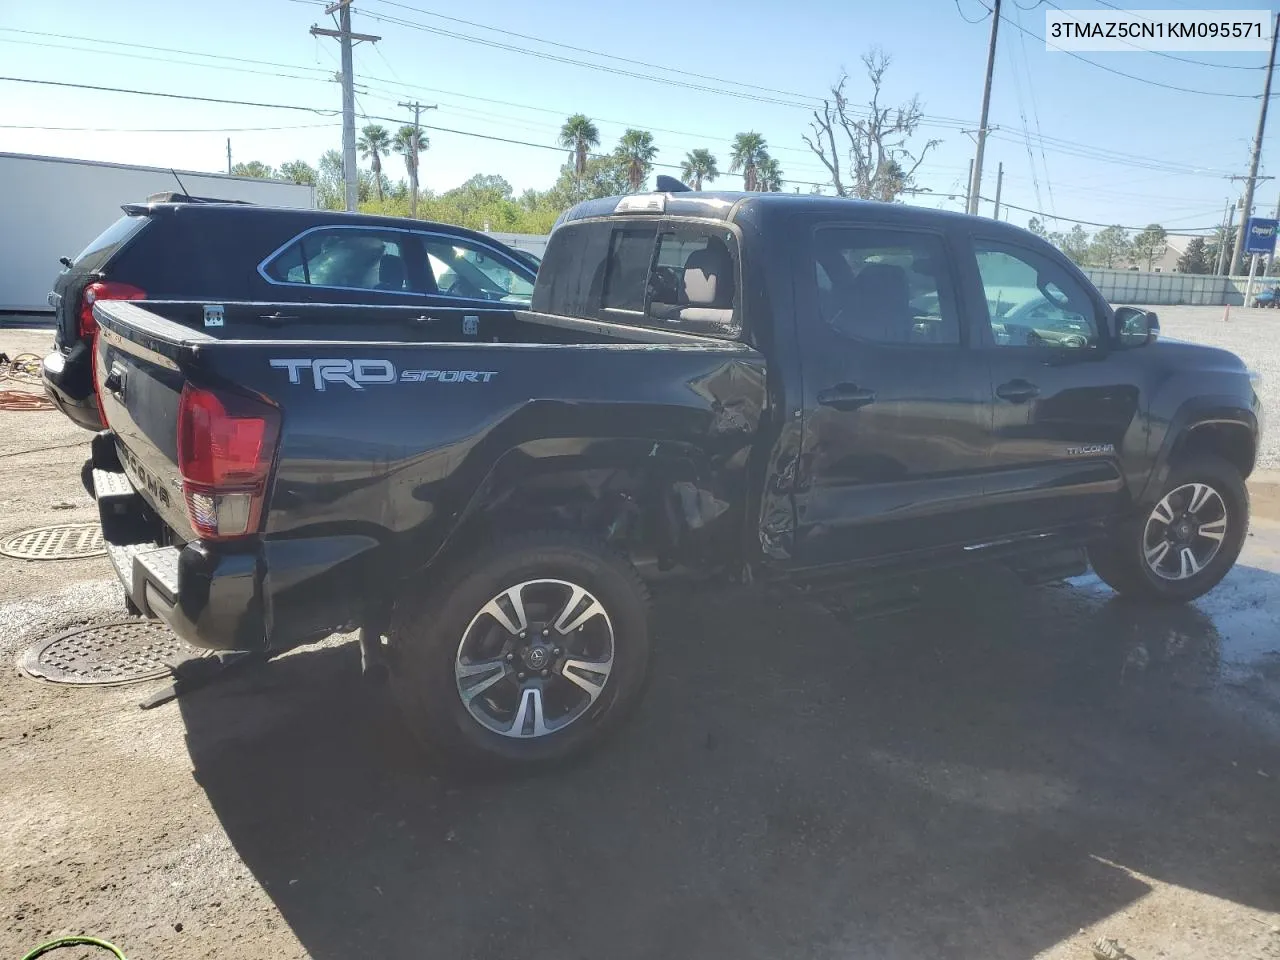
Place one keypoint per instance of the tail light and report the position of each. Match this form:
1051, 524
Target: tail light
103, 290
226, 443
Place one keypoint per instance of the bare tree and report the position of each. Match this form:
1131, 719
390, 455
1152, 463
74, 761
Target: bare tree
868, 153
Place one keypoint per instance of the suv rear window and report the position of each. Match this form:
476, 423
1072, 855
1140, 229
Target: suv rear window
105, 245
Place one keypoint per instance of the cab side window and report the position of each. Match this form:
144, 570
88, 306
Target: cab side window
885, 286
1033, 302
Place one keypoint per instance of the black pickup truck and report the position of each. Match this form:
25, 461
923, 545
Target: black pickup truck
774, 387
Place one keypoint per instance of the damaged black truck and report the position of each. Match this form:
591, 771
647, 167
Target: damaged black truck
770, 387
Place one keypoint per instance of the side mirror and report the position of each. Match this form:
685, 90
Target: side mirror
1136, 328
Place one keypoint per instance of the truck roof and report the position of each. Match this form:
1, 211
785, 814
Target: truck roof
732, 205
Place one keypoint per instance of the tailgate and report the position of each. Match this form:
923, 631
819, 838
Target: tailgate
139, 380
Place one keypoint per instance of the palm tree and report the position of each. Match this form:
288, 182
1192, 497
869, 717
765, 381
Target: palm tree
409, 142
374, 144
768, 174
747, 152
637, 151
699, 165
579, 135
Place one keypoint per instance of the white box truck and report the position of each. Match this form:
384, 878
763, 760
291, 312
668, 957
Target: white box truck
50, 207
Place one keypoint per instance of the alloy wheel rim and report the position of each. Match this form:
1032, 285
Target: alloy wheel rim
535, 658
1185, 531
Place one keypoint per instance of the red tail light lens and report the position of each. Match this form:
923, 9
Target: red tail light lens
226, 443
103, 290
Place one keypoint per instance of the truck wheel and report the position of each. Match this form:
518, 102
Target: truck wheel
1183, 545
530, 652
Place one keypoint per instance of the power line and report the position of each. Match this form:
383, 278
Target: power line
32, 126
1091, 223
966, 19
595, 53
170, 96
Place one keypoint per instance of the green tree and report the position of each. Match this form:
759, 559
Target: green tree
745, 155
1150, 245
330, 194
699, 166
374, 144
1074, 244
579, 135
254, 168
889, 182
1214, 247
299, 171
1036, 226
1195, 259
1110, 247
410, 143
637, 149
768, 175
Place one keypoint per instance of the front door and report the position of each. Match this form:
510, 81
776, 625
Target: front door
896, 400
1065, 402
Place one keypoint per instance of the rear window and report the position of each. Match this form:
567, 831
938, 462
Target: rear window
106, 244
679, 277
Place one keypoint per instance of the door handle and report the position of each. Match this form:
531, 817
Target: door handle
846, 396
1017, 391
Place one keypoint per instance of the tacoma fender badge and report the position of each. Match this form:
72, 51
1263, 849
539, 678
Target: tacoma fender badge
1091, 449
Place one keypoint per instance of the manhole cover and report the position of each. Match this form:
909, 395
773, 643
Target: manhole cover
64, 541
127, 651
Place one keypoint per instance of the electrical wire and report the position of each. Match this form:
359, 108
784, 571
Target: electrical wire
966, 19
34, 126
75, 942
1188, 231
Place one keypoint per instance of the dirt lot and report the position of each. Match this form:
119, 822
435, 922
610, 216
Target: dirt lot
998, 772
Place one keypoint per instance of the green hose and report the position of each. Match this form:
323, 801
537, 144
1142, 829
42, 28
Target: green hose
75, 942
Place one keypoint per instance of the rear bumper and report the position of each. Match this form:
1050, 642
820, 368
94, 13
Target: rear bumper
68, 381
257, 595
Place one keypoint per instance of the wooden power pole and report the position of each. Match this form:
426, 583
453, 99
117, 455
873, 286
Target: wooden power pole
975, 186
417, 109
1237, 253
350, 172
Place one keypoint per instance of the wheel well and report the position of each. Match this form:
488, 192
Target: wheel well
1231, 441
652, 515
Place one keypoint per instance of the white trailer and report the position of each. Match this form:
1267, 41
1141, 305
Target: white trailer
50, 207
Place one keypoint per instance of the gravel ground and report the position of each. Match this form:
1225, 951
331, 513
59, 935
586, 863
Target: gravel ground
995, 772
1251, 334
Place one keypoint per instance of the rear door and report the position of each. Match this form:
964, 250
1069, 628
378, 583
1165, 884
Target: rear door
1065, 403
897, 401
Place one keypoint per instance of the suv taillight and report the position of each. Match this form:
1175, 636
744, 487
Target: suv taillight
226, 443
103, 290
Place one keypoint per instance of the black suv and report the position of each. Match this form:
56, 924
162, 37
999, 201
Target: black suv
228, 252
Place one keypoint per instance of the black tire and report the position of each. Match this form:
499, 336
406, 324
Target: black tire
428, 629
1121, 563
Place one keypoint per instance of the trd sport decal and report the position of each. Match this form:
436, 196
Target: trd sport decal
357, 373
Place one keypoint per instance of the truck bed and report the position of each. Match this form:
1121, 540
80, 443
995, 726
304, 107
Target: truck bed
386, 442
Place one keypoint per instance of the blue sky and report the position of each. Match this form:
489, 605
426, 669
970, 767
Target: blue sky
1154, 154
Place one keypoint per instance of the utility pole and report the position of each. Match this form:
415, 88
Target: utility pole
1238, 252
350, 173
999, 184
1228, 220
975, 185
417, 109
228, 156
968, 186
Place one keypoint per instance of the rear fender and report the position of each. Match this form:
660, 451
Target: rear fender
659, 498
